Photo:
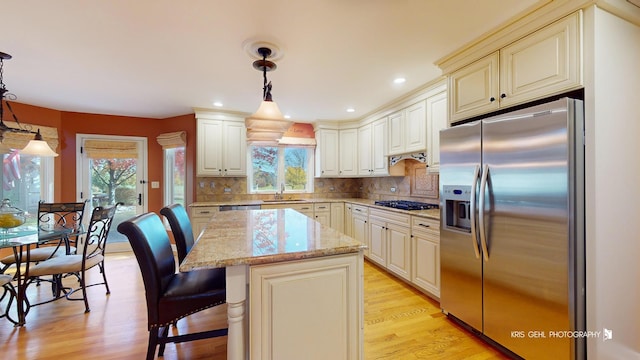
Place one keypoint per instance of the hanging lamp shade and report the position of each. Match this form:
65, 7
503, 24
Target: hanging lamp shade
38, 148
267, 123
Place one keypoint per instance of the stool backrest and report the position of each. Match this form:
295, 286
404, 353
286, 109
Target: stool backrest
151, 245
180, 227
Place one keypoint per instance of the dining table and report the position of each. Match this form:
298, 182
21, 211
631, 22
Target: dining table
21, 240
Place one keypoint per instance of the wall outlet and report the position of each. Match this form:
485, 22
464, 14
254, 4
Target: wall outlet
332, 189
393, 189
155, 184
201, 184
227, 190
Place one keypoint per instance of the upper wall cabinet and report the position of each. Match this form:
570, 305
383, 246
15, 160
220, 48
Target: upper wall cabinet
221, 145
348, 158
407, 130
327, 153
372, 138
544, 63
437, 115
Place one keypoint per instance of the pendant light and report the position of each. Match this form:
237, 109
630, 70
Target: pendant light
35, 147
267, 123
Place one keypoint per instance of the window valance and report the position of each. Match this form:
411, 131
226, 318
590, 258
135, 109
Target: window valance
172, 139
298, 134
106, 149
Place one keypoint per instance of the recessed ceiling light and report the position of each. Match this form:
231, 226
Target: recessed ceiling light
350, 110
217, 104
399, 80
287, 116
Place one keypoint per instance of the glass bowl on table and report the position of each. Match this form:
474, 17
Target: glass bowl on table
10, 217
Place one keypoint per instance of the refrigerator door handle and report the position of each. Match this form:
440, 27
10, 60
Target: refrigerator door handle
483, 237
472, 212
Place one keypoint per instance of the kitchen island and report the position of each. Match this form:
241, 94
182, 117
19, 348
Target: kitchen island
294, 286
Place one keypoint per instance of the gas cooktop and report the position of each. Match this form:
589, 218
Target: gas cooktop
406, 205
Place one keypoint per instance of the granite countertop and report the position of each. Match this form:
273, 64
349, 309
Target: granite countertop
431, 213
251, 237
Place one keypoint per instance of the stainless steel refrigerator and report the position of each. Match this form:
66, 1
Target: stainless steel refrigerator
512, 228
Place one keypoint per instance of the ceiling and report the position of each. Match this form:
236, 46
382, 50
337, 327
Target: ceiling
161, 58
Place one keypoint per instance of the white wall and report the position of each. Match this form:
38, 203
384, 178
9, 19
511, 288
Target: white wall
612, 111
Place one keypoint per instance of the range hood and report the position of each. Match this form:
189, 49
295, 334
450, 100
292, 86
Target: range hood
420, 157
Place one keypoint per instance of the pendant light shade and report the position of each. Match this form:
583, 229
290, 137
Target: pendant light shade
267, 123
38, 147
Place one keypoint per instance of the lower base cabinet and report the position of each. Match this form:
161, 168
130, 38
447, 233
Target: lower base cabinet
282, 324
200, 216
360, 226
425, 248
390, 237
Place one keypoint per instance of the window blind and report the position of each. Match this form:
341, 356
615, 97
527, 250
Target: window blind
110, 149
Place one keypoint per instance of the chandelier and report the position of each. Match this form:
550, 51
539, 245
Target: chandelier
37, 146
267, 123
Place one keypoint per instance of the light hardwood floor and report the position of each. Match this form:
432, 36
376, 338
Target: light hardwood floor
400, 323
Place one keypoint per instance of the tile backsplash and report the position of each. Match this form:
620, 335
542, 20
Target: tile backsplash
416, 184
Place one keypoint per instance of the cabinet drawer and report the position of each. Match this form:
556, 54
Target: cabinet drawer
391, 216
320, 207
423, 224
203, 211
359, 209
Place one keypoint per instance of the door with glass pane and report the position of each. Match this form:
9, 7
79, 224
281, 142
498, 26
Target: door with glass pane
112, 169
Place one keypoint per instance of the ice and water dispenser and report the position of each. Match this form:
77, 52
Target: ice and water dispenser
457, 202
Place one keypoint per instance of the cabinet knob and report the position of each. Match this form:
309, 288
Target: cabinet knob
502, 96
492, 99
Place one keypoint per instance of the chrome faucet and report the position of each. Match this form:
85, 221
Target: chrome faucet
280, 195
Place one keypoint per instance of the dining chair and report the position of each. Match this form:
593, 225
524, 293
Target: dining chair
180, 227
8, 290
53, 215
170, 295
93, 247
60, 215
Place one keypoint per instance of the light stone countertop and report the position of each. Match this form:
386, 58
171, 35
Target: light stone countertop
254, 237
431, 213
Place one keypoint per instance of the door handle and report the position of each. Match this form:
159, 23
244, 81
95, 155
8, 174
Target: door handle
472, 212
140, 199
483, 236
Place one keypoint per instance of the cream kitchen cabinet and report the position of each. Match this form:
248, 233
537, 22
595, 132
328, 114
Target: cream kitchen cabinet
337, 216
425, 250
546, 62
407, 130
390, 241
323, 294
348, 154
437, 119
360, 225
327, 153
348, 219
221, 147
322, 213
372, 149
200, 216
